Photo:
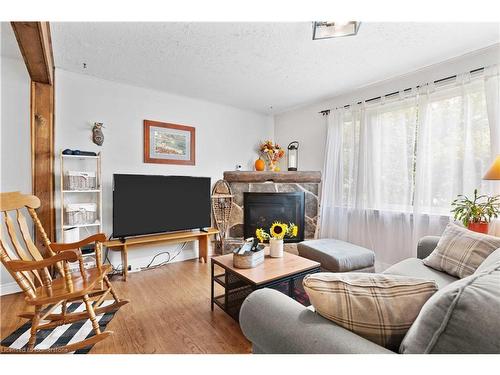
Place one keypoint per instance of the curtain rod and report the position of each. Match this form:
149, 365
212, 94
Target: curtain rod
327, 111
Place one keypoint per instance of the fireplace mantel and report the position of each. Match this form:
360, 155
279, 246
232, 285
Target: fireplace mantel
308, 182
281, 177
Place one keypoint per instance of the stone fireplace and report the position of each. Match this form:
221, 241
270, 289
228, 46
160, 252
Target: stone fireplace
307, 183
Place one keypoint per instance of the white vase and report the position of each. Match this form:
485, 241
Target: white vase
276, 248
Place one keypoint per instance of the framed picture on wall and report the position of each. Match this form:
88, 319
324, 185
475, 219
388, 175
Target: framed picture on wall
166, 143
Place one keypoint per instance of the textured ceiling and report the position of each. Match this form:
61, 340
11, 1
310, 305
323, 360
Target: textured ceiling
265, 67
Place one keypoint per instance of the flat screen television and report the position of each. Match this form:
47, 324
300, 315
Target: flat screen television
145, 204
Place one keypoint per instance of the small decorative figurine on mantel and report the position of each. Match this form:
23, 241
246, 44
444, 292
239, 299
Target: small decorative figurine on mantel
97, 134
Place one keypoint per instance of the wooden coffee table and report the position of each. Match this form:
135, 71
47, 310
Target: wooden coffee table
284, 274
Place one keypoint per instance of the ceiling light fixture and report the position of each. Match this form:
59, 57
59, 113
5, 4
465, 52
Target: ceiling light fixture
330, 29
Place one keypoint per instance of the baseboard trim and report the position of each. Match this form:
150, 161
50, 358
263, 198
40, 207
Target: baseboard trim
9, 288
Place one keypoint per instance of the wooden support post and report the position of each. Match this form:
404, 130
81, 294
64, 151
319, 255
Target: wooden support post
42, 155
35, 45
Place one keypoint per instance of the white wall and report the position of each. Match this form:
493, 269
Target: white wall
15, 138
308, 127
225, 136
15, 129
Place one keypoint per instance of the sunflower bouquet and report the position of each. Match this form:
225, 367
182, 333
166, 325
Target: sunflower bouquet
278, 231
273, 152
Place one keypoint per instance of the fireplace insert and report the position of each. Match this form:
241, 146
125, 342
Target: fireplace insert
262, 209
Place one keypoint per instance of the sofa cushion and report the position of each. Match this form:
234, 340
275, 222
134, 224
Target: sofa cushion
460, 251
378, 307
337, 256
493, 258
463, 317
416, 268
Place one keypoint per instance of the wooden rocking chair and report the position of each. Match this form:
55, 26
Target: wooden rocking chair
29, 268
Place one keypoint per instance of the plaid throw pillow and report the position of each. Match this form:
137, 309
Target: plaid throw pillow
381, 308
460, 251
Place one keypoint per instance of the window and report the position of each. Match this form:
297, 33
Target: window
440, 137
455, 145
393, 168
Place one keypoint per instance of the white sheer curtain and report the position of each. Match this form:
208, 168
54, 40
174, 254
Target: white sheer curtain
492, 93
393, 167
492, 98
367, 184
454, 149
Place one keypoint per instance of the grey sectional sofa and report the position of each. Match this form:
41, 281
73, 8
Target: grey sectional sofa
275, 323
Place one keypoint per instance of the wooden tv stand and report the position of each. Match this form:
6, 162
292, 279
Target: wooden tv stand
177, 237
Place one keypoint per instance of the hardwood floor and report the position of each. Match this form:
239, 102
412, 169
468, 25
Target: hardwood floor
169, 312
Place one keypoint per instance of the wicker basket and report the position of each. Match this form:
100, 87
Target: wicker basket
76, 180
250, 259
80, 213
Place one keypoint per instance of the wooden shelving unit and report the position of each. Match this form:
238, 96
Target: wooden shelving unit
85, 164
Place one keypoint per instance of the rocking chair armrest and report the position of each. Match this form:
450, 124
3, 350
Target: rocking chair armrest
27, 265
58, 247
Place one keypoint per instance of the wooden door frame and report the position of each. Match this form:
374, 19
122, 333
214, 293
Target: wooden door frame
35, 44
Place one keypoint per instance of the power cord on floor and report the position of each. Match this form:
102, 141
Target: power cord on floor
169, 259
119, 269
114, 270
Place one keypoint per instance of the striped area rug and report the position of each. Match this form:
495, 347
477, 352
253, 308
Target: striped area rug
62, 335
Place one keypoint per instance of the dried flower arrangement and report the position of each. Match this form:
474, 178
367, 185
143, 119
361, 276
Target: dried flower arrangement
273, 152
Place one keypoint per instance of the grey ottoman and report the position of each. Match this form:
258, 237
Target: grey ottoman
338, 256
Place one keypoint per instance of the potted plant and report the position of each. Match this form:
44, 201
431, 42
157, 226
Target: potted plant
475, 214
277, 233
